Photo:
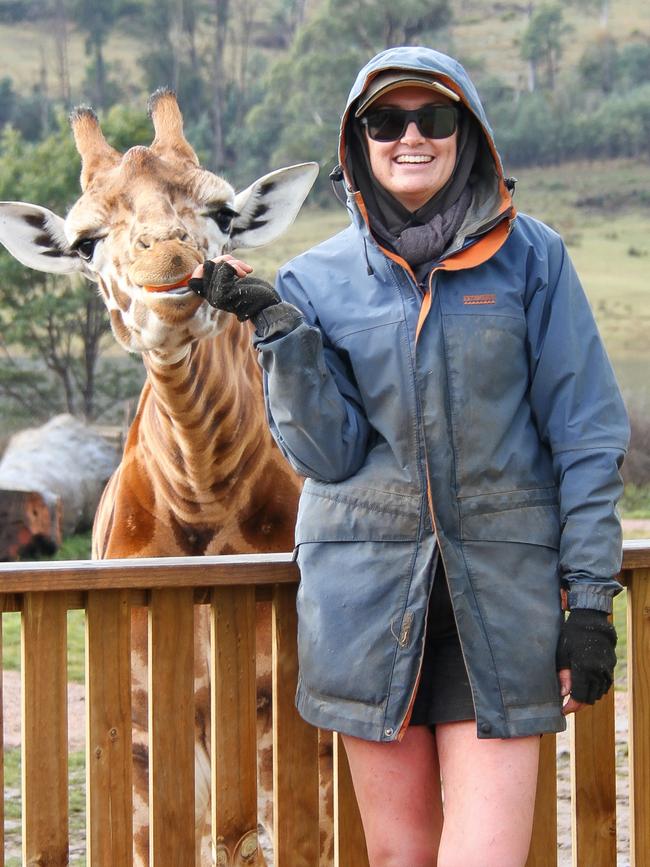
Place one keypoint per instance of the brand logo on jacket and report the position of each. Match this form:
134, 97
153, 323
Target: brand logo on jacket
486, 298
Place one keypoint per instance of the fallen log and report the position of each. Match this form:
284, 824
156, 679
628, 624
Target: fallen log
30, 524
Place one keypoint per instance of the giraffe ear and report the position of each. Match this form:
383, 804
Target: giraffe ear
270, 205
35, 237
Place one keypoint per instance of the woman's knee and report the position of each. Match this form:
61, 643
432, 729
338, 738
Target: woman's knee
401, 853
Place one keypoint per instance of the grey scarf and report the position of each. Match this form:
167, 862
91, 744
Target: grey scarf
420, 244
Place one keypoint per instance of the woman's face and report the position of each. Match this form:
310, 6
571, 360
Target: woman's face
413, 168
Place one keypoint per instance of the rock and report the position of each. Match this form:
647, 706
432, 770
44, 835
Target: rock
62, 459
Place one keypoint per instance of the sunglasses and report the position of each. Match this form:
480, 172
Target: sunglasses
390, 124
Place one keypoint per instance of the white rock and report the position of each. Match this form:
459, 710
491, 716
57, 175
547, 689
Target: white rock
64, 458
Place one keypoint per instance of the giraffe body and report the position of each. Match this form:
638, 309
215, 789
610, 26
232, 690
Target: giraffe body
200, 473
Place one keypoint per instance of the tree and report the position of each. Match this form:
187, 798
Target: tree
96, 20
168, 28
221, 12
542, 42
55, 329
598, 64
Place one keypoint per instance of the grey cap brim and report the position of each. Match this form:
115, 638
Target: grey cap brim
393, 79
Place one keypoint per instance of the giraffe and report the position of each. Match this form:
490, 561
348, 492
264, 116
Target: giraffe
200, 473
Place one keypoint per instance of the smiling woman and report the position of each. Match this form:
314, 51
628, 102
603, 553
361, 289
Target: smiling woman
416, 372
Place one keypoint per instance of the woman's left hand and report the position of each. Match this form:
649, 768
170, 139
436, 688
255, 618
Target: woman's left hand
585, 657
571, 705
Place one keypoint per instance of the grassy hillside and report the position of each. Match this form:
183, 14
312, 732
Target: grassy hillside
485, 33
488, 32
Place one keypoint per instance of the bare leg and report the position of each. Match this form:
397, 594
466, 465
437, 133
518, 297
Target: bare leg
489, 797
398, 790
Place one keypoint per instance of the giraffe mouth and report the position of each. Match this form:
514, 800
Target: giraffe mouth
168, 287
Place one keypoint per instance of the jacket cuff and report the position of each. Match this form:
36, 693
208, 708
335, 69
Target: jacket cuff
588, 597
276, 320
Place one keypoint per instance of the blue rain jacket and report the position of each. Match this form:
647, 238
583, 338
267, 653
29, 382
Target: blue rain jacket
477, 411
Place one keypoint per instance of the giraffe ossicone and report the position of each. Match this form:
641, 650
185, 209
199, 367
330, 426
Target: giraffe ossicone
200, 473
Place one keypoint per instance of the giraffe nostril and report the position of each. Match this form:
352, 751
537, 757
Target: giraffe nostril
185, 237
142, 244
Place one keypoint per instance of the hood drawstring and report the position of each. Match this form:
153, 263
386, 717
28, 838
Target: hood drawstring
365, 249
336, 178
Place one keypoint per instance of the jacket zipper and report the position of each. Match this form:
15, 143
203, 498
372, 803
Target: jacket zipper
402, 729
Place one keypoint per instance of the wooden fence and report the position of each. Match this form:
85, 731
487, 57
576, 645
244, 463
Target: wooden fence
170, 587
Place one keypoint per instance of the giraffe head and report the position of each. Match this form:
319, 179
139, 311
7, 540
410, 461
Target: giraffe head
144, 221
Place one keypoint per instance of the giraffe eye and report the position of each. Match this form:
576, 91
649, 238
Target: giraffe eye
223, 217
85, 248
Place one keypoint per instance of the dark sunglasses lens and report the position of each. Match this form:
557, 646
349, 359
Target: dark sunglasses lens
437, 121
385, 125
434, 121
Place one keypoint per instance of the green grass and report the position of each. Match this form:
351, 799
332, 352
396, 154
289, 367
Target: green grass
75, 547
635, 502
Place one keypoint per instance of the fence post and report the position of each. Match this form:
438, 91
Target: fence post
234, 741
543, 846
109, 762
295, 747
171, 728
638, 667
45, 729
593, 784
350, 842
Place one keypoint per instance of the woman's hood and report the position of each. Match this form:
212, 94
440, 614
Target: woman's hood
495, 198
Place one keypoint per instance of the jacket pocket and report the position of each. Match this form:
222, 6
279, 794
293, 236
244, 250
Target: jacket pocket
344, 513
532, 525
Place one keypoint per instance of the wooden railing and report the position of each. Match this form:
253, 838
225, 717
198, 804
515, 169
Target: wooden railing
170, 588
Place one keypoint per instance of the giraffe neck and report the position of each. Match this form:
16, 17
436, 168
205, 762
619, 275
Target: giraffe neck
203, 425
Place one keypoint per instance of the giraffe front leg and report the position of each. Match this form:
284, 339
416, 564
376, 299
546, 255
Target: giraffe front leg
203, 854
140, 799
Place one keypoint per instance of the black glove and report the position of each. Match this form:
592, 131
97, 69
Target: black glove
586, 646
243, 296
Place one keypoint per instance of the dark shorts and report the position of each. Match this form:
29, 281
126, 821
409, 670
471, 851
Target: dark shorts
444, 694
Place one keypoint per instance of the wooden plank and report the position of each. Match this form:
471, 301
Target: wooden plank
233, 727
213, 571
45, 730
171, 728
296, 832
148, 573
638, 674
543, 847
349, 839
636, 554
109, 763
593, 784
